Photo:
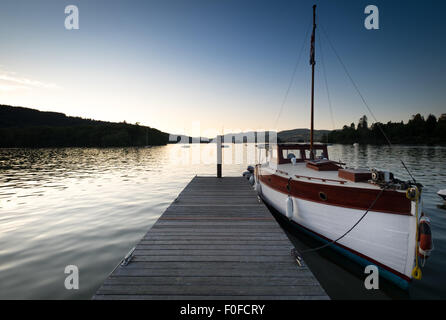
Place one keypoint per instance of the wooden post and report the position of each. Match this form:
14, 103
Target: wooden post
219, 156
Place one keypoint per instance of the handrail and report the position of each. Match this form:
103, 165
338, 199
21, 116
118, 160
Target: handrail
322, 179
282, 172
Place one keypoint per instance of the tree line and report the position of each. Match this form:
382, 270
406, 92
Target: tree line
417, 130
29, 128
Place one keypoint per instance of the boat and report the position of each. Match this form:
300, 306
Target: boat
442, 193
368, 215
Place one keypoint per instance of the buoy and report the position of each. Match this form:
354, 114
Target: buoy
289, 207
258, 188
251, 180
424, 238
296, 209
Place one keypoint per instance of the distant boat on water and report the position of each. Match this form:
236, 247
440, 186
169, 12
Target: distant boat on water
442, 194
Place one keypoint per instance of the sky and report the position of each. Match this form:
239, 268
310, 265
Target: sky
225, 64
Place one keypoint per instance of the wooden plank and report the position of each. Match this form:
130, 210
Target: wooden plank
214, 289
215, 241
214, 257
216, 223
155, 271
207, 242
217, 231
213, 237
215, 266
207, 246
209, 252
205, 297
220, 229
210, 280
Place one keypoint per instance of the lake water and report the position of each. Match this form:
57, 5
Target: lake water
89, 207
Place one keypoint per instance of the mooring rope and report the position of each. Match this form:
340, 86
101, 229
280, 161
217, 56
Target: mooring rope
349, 230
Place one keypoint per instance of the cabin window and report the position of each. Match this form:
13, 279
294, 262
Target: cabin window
288, 154
318, 154
307, 154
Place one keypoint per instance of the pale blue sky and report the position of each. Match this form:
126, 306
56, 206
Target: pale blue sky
224, 63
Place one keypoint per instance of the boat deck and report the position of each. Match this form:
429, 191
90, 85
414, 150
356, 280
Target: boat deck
215, 241
301, 172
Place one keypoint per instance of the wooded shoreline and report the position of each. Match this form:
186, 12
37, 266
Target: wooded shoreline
30, 128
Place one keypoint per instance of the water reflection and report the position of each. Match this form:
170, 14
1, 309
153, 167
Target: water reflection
88, 207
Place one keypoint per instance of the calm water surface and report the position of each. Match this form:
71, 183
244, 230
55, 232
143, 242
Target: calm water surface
89, 207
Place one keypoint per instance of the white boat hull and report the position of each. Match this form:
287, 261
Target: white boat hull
383, 239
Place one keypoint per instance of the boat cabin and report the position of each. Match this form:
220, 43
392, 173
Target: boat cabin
285, 152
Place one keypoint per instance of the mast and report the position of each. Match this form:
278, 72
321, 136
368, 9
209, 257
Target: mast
312, 63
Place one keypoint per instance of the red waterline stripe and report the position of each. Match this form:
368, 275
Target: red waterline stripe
265, 180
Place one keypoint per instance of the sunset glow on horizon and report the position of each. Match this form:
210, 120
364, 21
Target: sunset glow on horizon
224, 64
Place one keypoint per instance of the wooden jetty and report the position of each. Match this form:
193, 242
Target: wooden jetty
215, 241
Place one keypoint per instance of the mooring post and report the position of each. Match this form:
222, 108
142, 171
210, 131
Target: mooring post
219, 156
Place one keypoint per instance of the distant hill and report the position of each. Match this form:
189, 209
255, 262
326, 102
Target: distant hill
25, 117
24, 127
294, 135
243, 137
302, 135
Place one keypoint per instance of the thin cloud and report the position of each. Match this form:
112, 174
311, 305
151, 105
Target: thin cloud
22, 83
11, 87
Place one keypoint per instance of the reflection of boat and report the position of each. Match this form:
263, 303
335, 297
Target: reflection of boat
442, 193
367, 215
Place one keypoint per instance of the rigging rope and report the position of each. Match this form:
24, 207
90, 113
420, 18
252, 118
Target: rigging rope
363, 99
416, 271
348, 231
292, 76
326, 84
